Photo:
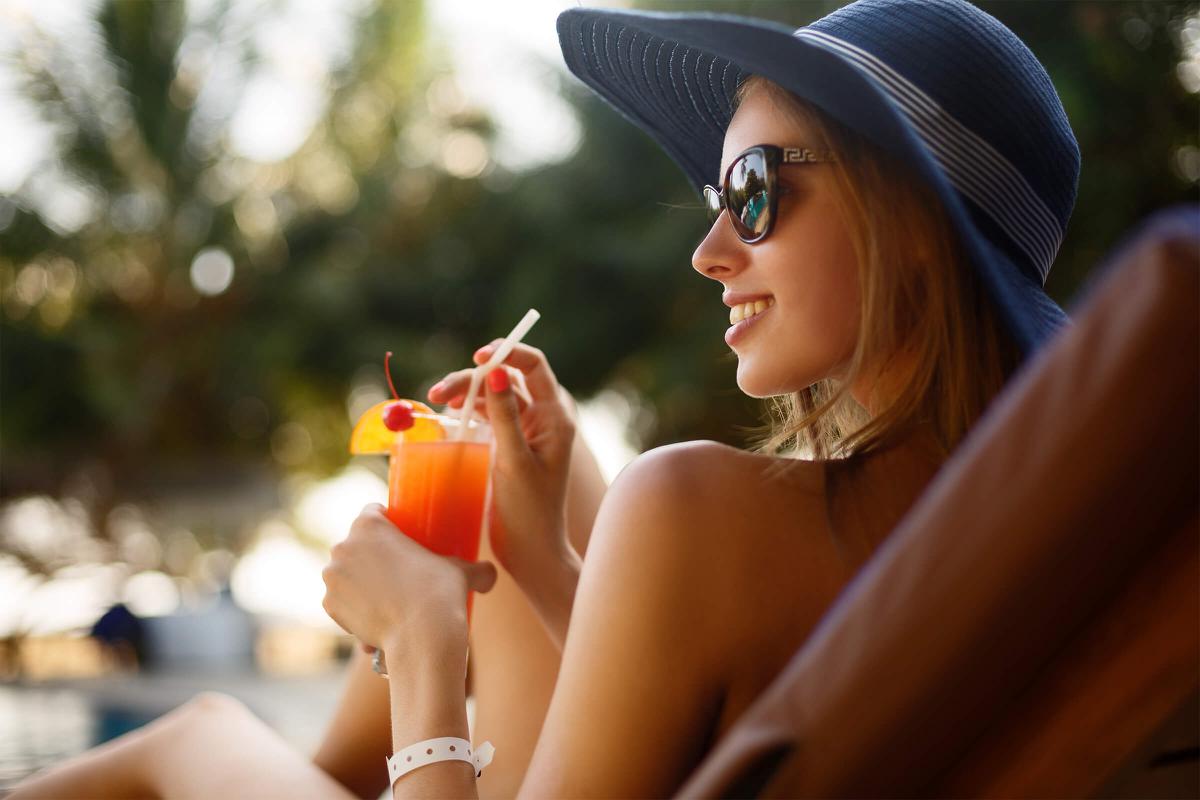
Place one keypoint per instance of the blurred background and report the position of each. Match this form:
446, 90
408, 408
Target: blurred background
215, 218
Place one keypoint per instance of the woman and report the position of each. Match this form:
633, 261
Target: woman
912, 172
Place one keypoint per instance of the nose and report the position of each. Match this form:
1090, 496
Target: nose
722, 254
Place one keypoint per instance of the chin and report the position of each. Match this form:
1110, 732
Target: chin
758, 383
772, 380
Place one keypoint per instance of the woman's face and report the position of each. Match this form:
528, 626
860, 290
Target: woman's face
806, 266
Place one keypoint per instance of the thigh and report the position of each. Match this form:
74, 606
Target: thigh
215, 747
358, 739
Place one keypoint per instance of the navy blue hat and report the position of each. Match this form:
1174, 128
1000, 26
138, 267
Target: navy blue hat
939, 83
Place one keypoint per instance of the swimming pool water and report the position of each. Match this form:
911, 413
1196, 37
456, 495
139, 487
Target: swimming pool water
41, 726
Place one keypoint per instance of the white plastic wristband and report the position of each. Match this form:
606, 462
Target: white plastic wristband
431, 751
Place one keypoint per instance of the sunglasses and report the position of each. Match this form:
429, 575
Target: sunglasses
750, 192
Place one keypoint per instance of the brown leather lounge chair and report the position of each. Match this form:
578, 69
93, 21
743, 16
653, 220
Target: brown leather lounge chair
1031, 628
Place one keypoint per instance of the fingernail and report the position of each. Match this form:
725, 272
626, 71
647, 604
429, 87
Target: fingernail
484, 352
497, 380
437, 387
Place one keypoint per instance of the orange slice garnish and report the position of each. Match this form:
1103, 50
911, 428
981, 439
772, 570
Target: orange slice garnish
370, 435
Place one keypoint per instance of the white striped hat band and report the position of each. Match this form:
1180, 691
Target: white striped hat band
973, 166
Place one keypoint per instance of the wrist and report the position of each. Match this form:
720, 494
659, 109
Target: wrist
426, 674
539, 542
545, 571
550, 589
409, 654
427, 698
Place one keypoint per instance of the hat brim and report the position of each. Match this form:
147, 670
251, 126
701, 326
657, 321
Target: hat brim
674, 76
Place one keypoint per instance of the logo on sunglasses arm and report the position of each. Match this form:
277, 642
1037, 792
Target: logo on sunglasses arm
805, 155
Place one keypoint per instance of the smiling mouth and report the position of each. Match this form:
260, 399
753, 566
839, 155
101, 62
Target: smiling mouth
745, 311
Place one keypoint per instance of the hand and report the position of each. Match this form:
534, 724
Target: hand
390, 591
533, 456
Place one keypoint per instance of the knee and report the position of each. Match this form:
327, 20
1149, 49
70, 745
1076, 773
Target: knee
206, 711
207, 708
216, 704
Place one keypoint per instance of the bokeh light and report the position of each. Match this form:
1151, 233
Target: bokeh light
212, 271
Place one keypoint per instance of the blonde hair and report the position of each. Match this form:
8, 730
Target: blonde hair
918, 296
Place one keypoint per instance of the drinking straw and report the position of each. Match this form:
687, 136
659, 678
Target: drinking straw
506, 347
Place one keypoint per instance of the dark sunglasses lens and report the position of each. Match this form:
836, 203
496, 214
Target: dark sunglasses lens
746, 196
712, 204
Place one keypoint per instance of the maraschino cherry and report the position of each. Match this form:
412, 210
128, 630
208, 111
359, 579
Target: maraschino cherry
397, 416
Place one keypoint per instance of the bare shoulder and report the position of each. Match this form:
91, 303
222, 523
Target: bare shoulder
714, 483
762, 563
712, 512
709, 462
752, 527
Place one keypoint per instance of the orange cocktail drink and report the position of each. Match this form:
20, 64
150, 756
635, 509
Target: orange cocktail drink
438, 490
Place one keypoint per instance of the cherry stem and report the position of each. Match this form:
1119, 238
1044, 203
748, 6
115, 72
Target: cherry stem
388, 372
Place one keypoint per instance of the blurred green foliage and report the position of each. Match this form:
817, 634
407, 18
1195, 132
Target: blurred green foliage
345, 249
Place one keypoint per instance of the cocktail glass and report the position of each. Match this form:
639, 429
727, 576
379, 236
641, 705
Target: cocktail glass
438, 490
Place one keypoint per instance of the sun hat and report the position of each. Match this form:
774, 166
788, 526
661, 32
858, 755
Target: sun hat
939, 83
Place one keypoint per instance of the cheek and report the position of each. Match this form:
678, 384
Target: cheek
836, 304
820, 335
825, 291
815, 278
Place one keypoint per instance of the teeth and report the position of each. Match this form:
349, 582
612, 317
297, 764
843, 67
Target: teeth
747, 310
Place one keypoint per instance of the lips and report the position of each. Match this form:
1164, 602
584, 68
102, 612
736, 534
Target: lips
743, 324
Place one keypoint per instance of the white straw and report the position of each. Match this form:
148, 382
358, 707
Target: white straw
506, 347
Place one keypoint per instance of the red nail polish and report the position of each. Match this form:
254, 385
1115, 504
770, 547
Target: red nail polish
497, 380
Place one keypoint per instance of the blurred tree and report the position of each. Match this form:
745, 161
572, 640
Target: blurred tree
121, 357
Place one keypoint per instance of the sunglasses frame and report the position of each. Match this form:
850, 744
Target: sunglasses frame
773, 156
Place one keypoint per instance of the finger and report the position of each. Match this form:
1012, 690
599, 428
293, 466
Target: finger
454, 392
533, 365
481, 355
481, 575
454, 383
519, 387
371, 513
503, 415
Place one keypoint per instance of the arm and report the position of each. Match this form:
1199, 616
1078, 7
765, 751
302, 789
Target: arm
428, 699
548, 575
549, 586
387, 589
585, 485
642, 677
